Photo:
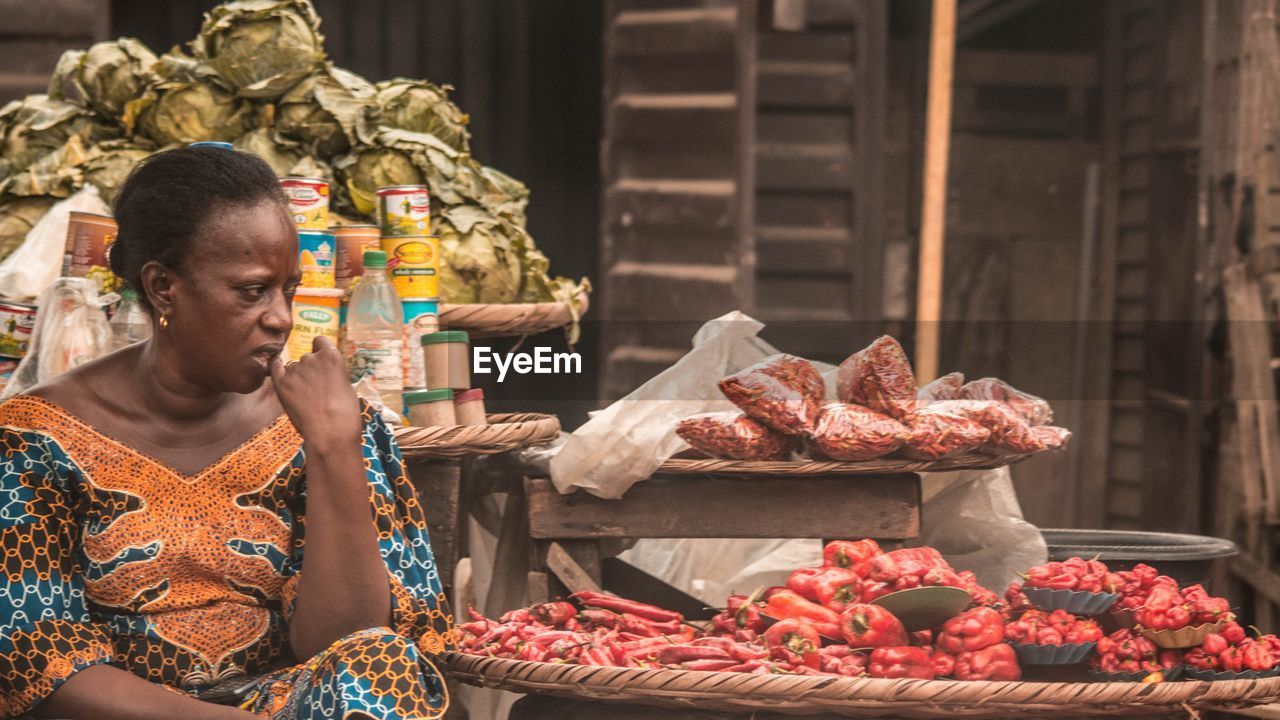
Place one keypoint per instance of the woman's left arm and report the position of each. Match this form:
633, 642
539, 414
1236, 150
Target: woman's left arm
343, 586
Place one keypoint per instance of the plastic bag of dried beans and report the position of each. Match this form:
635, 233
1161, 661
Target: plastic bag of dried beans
1053, 438
879, 377
946, 387
1034, 410
937, 435
733, 435
782, 391
1009, 432
852, 433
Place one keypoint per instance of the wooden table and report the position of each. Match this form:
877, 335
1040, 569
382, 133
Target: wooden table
568, 531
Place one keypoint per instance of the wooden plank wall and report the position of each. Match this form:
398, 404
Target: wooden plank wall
1113, 470
823, 77
33, 36
677, 172
1020, 153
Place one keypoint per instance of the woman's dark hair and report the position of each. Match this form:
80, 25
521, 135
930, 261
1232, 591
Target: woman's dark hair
169, 195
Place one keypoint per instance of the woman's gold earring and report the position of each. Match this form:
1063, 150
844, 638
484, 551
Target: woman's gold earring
164, 322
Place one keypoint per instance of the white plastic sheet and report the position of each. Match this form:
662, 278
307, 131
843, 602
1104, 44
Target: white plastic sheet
38, 260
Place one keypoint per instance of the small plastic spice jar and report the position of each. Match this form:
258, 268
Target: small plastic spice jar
468, 406
430, 408
447, 359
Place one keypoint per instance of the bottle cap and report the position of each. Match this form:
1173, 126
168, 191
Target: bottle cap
376, 259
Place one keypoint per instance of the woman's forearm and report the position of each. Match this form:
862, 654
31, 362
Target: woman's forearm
344, 585
104, 692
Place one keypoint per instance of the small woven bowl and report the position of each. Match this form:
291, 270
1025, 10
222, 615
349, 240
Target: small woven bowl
1076, 602
1066, 654
1215, 675
1170, 675
1181, 638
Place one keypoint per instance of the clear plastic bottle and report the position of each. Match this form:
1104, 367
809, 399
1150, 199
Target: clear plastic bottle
130, 323
375, 337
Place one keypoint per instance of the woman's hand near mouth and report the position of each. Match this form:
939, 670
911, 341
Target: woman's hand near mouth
316, 393
343, 586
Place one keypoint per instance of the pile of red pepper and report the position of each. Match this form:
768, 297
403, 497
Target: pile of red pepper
1231, 651
823, 622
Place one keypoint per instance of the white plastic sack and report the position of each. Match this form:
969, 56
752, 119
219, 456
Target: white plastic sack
71, 329
624, 443
38, 260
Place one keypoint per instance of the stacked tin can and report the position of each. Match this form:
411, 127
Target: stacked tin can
316, 305
413, 261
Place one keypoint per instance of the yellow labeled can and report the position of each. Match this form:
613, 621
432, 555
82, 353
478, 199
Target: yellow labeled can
414, 265
316, 311
316, 253
404, 210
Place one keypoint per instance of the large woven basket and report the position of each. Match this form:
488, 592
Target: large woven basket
716, 466
505, 432
509, 320
856, 697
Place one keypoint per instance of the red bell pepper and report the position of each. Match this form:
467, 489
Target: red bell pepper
801, 582
1256, 656
972, 630
901, 662
798, 636
871, 626
997, 662
836, 588
1165, 609
944, 663
850, 553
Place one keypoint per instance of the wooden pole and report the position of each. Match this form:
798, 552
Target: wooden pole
937, 144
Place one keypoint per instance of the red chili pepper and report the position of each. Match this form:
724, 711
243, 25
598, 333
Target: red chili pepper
970, 631
553, 613
997, 662
622, 605
676, 654
519, 615
598, 618
850, 553
787, 604
866, 625
901, 662
797, 636
709, 665
836, 588
801, 582
597, 656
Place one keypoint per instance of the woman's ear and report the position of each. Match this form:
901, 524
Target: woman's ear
157, 283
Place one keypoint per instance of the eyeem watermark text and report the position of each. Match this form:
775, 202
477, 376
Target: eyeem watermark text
542, 361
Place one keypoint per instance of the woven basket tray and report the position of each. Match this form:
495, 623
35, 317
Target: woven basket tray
510, 320
856, 697
716, 466
505, 432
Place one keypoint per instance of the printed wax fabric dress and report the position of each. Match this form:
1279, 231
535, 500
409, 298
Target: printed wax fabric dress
110, 556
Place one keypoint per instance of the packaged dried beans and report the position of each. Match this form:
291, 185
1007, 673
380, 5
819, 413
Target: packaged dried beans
852, 433
783, 392
946, 387
1053, 438
879, 377
733, 435
937, 435
1034, 410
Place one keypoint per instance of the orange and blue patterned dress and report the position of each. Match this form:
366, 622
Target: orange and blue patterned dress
110, 556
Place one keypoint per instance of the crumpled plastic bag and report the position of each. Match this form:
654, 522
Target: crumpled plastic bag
38, 260
624, 443
71, 329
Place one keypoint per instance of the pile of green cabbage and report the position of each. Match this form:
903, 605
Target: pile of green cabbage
257, 77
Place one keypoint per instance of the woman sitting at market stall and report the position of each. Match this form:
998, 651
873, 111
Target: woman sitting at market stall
153, 502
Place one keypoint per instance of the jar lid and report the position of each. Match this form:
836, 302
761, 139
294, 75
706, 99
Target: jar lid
417, 397
468, 395
446, 336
